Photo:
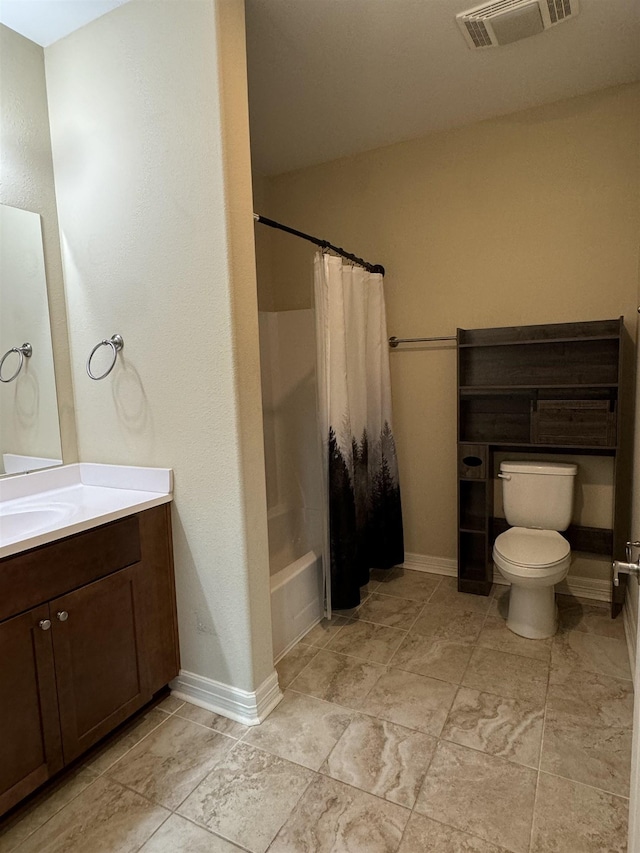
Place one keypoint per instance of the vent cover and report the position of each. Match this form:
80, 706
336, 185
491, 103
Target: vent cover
506, 21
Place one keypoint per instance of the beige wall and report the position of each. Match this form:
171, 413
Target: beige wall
26, 181
151, 154
264, 250
529, 218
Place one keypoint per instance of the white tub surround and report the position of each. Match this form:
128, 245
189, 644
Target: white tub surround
43, 506
296, 601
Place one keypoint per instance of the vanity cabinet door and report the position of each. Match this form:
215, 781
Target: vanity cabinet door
30, 750
99, 658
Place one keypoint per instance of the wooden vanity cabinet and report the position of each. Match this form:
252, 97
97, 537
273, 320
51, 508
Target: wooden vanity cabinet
98, 642
31, 747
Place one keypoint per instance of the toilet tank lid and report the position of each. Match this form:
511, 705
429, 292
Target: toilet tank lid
563, 469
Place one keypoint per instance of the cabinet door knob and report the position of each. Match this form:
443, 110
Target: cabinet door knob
62, 615
45, 624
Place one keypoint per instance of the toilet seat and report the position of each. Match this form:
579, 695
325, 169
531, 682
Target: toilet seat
532, 549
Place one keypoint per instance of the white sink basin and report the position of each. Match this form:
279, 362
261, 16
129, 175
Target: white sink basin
17, 523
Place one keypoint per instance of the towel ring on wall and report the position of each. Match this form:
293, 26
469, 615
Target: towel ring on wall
25, 351
116, 343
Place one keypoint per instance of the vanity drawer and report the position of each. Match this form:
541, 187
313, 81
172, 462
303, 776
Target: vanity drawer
29, 579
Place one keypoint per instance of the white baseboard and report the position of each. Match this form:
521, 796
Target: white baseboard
434, 565
239, 705
598, 589
631, 634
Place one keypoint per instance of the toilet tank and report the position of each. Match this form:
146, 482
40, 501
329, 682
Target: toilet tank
538, 494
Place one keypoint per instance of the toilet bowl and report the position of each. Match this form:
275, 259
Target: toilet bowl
532, 555
533, 562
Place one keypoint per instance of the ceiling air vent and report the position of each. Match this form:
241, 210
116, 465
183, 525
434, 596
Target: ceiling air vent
506, 21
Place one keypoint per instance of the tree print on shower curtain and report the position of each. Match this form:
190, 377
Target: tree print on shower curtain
364, 528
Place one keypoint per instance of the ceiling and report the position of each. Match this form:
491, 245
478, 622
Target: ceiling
330, 78
46, 21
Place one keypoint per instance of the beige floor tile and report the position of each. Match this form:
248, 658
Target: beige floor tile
167, 765
390, 611
292, 664
436, 658
43, 807
566, 601
248, 796
301, 729
591, 619
480, 794
211, 720
411, 700
120, 742
377, 575
577, 650
375, 643
573, 817
587, 752
447, 595
104, 818
499, 606
496, 635
591, 696
511, 676
170, 704
406, 583
178, 835
324, 631
338, 678
423, 834
448, 623
508, 728
333, 817
382, 758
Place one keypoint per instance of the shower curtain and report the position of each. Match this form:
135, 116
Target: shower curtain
364, 520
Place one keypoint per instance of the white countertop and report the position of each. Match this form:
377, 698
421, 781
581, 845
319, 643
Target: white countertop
43, 506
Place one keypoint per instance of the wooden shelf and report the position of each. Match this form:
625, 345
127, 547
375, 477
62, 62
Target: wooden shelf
488, 389
541, 341
550, 448
546, 333
548, 389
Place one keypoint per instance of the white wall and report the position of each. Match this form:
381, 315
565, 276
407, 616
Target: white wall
26, 182
151, 155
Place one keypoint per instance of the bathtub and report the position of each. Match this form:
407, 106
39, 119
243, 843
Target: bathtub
296, 601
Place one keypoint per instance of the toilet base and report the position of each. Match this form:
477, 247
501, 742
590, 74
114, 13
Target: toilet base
533, 612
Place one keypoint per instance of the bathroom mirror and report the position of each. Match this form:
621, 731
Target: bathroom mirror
29, 423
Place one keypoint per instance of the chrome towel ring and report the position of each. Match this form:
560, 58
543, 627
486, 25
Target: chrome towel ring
25, 351
116, 343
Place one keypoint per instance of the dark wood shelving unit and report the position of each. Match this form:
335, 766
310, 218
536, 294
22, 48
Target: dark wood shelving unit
551, 389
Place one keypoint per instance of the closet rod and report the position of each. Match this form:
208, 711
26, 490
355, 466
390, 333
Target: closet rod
393, 342
324, 244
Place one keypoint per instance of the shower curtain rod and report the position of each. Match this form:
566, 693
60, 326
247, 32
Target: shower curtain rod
324, 244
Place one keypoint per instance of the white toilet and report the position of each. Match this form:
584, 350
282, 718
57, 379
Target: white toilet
532, 555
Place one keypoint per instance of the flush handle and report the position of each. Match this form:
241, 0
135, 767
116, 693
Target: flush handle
624, 569
504, 476
629, 551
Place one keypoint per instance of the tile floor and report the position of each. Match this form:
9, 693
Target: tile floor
416, 723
